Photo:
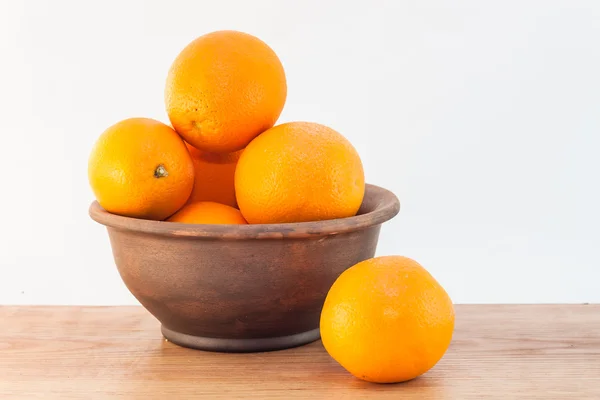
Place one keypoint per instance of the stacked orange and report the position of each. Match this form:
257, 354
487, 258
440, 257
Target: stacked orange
223, 160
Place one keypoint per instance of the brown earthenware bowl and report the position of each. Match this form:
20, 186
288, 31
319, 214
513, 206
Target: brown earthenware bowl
241, 288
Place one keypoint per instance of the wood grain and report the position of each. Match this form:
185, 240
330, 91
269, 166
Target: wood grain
498, 351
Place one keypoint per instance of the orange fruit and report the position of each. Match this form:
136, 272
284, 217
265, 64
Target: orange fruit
141, 168
387, 320
213, 176
224, 89
208, 212
299, 171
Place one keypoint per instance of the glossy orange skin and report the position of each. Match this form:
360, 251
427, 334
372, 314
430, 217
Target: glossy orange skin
208, 212
297, 172
214, 176
223, 90
387, 320
125, 173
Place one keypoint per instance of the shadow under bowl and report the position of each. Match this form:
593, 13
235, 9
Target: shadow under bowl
242, 288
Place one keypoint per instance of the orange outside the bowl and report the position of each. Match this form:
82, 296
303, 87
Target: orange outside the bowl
386, 320
208, 212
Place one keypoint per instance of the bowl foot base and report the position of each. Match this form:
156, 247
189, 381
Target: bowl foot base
240, 345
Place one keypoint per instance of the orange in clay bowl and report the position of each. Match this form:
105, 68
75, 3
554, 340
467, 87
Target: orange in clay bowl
242, 288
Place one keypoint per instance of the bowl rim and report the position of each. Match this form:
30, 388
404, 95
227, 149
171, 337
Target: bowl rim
386, 207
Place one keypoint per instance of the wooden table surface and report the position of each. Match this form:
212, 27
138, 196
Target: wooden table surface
498, 351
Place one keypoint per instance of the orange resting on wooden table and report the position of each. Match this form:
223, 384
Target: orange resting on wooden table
387, 320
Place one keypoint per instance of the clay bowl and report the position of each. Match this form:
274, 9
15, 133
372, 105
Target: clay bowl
241, 288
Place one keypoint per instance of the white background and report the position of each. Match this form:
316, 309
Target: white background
483, 117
